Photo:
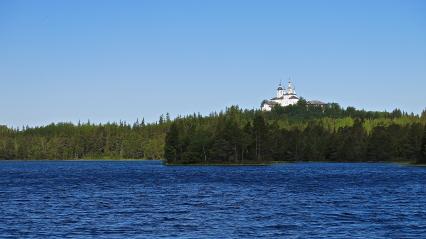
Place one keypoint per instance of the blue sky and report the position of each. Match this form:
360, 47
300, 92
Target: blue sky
122, 60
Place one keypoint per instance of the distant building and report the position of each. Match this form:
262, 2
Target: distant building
317, 103
286, 97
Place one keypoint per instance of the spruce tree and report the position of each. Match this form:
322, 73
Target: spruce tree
260, 132
422, 155
379, 148
171, 147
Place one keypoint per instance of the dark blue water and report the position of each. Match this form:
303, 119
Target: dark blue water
143, 199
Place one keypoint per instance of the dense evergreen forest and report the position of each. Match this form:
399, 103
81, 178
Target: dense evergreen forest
300, 132
85, 141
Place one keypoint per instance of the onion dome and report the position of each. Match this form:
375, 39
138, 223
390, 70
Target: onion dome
280, 87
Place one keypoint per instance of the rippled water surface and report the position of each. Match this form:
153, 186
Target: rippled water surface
143, 199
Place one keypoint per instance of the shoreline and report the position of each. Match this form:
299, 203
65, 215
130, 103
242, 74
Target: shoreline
271, 163
88, 160
220, 164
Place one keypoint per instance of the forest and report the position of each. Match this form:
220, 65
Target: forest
85, 141
294, 133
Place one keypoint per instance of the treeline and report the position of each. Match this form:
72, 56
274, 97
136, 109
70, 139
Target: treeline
85, 141
303, 111
297, 133
300, 132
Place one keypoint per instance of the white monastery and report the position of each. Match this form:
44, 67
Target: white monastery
286, 97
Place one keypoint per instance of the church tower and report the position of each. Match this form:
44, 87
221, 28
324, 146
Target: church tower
280, 91
290, 88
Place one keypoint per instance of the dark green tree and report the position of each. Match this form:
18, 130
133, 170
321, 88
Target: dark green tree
260, 134
171, 149
422, 154
379, 148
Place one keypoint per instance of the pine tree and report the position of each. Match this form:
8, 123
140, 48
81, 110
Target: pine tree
422, 155
423, 115
246, 141
171, 148
379, 146
331, 152
260, 132
161, 120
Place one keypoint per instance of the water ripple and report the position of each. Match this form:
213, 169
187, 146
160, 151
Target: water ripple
144, 199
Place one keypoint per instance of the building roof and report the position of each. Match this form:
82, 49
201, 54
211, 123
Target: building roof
268, 102
293, 97
316, 102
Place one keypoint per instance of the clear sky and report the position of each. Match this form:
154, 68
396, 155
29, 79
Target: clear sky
122, 60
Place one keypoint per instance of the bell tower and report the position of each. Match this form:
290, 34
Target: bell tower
280, 91
290, 88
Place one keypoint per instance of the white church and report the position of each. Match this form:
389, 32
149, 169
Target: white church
286, 97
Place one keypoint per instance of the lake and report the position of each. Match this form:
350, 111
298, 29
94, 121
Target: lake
143, 199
